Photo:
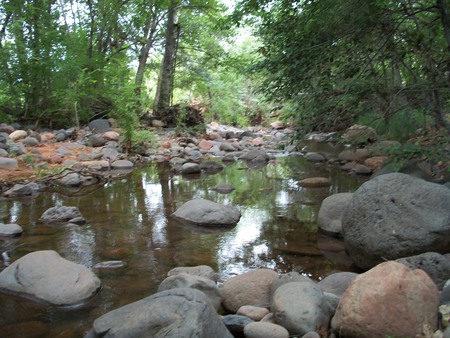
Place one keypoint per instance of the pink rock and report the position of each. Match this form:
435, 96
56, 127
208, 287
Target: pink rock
390, 300
111, 136
250, 288
47, 136
277, 125
214, 136
258, 141
313, 182
205, 145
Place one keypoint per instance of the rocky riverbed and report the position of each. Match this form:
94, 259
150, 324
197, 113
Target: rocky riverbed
395, 227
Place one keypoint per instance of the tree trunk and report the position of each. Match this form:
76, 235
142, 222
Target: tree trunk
166, 75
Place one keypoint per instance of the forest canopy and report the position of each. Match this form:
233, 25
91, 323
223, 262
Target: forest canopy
321, 65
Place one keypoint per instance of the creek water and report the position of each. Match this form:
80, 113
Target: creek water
129, 219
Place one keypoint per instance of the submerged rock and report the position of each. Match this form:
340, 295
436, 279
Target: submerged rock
207, 213
60, 214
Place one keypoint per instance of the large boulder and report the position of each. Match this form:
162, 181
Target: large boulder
46, 276
250, 288
389, 300
301, 307
359, 134
60, 214
330, 214
173, 313
394, 216
207, 213
184, 280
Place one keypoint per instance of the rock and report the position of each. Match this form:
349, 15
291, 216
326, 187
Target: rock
277, 125
203, 284
236, 324
250, 288
264, 330
361, 169
226, 146
434, 264
111, 136
375, 162
223, 188
46, 276
177, 161
358, 134
16, 149
75, 180
100, 125
388, 300
18, 135
6, 128
8, 163
10, 229
172, 313
200, 270
122, 164
253, 312
289, 277
30, 141
211, 167
110, 154
330, 214
205, 145
110, 265
315, 157
394, 216
356, 155
190, 168
194, 155
60, 214
97, 141
255, 156
258, 142
22, 190
445, 293
337, 283
207, 213
314, 182
301, 307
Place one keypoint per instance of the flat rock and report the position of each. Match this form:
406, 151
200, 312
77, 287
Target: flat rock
8, 163
199, 270
22, 190
264, 330
314, 182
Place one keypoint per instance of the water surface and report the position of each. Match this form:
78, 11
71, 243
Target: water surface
129, 219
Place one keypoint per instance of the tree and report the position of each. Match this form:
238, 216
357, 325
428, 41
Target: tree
340, 60
166, 76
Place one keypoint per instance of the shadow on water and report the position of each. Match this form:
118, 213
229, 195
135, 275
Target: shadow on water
130, 220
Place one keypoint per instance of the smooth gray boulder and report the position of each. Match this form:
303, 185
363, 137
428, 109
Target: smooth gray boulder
190, 168
394, 216
60, 214
330, 214
207, 213
100, 125
8, 163
337, 283
172, 313
301, 307
47, 277
75, 179
184, 280
11, 229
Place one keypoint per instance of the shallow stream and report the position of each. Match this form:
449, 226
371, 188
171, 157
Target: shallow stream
129, 219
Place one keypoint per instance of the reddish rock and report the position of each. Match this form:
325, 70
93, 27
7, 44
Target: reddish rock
47, 137
390, 300
214, 136
55, 159
251, 288
277, 125
111, 136
166, 145
253, 312
258, 141
375, 162
205, 145
313, 182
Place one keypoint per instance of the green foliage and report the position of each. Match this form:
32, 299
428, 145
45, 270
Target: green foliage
437, 152
337, 60
400, 127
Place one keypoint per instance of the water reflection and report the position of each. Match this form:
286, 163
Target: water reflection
130, 220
